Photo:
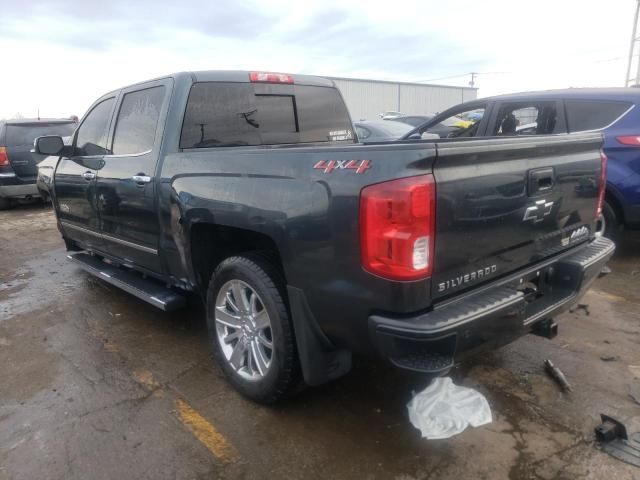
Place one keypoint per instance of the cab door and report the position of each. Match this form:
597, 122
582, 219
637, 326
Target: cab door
126, 184
75, 177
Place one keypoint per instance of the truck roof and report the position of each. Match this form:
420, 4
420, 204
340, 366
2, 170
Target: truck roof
234, 76
243, 76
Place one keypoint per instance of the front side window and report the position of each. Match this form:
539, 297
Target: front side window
223, 114
593, 114
137, 121
92, 134
538, 118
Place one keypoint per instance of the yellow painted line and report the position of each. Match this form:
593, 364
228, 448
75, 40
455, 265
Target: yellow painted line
609, 296
208, 435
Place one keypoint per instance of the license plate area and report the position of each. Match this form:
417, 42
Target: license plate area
543, 289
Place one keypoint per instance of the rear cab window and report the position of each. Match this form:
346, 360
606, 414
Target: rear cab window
24, 134
226, 114
583, 115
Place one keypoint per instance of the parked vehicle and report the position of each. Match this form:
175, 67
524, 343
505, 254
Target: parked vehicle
390, 115
18, 165
414, 120
445, 128
612, 111
380, 131
250, 189
45, 173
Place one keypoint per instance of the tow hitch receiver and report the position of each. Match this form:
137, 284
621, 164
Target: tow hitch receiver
545, 328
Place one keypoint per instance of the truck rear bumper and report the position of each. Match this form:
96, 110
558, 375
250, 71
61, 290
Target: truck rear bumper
491, 316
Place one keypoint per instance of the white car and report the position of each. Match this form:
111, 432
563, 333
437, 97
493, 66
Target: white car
390, 115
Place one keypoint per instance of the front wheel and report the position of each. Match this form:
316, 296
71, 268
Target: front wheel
250, 329
611, 227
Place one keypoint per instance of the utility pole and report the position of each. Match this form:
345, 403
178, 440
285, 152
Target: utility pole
472, 83
634, 51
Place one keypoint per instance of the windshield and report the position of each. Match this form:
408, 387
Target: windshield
394, 129
19, 135
452, 121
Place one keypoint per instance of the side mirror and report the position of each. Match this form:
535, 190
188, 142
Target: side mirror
49, 145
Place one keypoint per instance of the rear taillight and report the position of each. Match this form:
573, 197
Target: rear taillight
631, 140
268, 77
397, 228
602, 184
4, 157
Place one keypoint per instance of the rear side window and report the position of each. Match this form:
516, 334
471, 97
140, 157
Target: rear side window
221, 114
22, 135
92, 134
593, 114
137, 121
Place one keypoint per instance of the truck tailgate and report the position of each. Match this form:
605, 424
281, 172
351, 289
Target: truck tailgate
505, 203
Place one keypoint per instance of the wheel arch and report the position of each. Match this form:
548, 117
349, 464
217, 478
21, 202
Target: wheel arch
211, 243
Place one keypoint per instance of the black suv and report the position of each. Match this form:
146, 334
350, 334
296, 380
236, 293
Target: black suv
18, 165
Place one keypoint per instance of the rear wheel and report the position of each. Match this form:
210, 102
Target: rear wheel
250, 329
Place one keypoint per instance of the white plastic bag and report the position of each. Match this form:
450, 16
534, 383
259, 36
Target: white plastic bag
444, 409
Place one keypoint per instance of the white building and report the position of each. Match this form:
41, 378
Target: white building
366, 99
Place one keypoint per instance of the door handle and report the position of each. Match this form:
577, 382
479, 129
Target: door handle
88, 175
140, 179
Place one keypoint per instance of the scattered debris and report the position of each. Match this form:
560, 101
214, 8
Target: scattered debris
557, 375
614, 440
609, 358
444, 409
581, 306
635, 370
605, 271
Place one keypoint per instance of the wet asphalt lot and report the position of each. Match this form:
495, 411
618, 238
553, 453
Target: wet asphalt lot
95, 384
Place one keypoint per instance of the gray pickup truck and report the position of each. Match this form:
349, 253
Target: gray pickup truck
252, 190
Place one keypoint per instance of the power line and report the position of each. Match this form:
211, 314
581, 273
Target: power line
441, 78
473, 77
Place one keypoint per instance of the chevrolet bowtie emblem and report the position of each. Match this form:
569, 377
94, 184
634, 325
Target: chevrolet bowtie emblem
537, 212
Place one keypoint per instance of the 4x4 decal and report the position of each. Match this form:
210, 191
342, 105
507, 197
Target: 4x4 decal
360, 166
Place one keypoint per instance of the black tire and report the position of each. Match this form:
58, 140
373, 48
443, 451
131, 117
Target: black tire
612, 225
282, 376
5, 203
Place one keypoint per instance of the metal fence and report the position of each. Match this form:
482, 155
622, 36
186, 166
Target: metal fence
366, 99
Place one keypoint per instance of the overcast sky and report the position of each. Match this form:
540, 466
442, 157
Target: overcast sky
60, 55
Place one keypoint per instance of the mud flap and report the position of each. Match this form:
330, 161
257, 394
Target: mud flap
321, 362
